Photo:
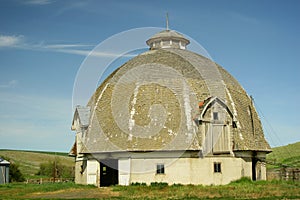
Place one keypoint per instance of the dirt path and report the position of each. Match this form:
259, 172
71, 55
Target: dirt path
76, 194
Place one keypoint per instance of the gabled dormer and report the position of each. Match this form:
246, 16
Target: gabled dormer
219, 112
216, 122
81, 118
80, 123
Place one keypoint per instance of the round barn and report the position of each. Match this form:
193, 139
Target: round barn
168, 115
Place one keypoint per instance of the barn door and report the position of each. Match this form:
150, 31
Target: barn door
108, 172
221, 138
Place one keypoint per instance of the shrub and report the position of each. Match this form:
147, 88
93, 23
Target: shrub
177, 185
55, 169
15, 175
245, 180
159, 184
138, 184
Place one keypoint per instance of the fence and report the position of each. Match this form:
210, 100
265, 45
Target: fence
49, 180
284, 173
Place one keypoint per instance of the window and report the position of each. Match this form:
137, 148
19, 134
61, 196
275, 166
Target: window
234, 125
217, 167
160, 169
216, 117
83, 166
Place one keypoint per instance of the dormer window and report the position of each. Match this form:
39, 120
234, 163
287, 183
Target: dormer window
215, 116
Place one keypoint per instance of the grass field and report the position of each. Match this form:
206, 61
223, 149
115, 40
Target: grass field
29, 161
288, 155
244, 189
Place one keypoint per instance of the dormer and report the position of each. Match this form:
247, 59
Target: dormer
81, 118
216, 112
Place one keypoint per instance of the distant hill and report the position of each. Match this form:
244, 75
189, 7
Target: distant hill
29, 161
288, 155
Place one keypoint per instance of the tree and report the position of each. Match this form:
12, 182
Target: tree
15, 175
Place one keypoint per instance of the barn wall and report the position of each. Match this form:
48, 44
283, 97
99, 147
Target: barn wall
261, 171
80, 175
124, 171
87, 172
191, 170
260, 167
93, 172
188, 169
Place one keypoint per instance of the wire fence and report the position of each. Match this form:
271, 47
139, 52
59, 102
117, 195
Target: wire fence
48, 180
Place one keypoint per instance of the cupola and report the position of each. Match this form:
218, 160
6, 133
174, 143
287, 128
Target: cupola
167, 39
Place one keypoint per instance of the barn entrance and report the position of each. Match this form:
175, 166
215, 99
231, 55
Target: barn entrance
254, 164
109, 174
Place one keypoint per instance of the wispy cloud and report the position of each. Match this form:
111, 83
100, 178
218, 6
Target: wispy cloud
11, 40
63, 46
244, 18
38, 2
18, 42
73, 5
88, 52
10, 84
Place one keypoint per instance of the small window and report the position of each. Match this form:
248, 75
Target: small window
217, 167
160, 169
83, 166
216, 117
234, 124
81, 169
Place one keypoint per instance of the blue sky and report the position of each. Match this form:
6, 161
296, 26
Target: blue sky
44, 42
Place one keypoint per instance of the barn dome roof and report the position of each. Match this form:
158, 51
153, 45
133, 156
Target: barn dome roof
152, 102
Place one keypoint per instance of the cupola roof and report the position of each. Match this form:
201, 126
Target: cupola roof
167, 39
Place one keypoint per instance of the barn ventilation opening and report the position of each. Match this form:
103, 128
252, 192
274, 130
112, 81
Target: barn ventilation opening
109, 174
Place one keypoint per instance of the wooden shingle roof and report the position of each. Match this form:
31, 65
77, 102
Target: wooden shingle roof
150, 104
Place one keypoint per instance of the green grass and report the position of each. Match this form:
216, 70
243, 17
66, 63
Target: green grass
288, 155
29, 161
240, 189
244, 188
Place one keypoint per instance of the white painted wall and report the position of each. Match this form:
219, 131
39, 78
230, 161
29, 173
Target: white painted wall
184, 170
90, 173
191, 170
124, 171
93, 169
